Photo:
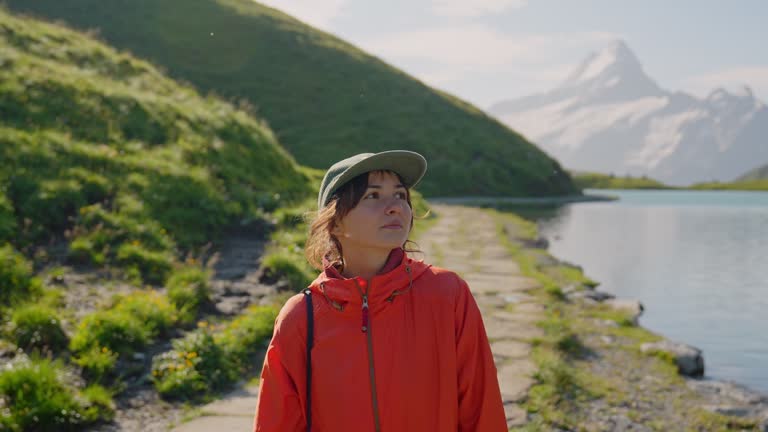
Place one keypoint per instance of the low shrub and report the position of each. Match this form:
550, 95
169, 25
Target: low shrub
97, 363
35, 397
124, 237
36, 327
283, 266
154, 266
245, 335
17, 282
189, 290
113, 329
7, 218
194, 367
152, 309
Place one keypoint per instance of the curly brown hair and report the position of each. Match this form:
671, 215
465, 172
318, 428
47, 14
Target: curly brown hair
320, 242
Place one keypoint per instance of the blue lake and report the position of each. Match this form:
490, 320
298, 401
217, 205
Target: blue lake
698, 261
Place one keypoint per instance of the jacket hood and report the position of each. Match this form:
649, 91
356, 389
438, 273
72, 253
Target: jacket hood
397, 277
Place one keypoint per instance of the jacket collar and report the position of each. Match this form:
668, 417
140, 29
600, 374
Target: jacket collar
395, 277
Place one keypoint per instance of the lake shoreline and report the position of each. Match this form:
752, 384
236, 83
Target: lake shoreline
723, 396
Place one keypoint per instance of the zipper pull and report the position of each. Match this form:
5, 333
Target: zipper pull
365, 313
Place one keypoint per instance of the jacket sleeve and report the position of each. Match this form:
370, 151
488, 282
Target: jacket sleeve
280, 406
480, 405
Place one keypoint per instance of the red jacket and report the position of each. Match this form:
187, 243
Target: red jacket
431, 367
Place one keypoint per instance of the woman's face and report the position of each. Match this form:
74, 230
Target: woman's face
366, 226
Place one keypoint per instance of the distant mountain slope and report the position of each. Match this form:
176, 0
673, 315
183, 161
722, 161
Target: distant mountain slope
99, 146
609, 116
324, 98
760, 173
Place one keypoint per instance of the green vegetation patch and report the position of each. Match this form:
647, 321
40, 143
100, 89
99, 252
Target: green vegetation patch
132, 168
609, 181
128, 326
16, 277
37, 327
189, 291
36, 395
207, 360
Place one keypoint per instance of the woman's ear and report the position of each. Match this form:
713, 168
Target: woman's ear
336, 230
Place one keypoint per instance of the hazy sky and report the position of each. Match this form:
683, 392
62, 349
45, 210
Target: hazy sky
489, 50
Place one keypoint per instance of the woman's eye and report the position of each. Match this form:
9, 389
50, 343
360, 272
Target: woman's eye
400, 194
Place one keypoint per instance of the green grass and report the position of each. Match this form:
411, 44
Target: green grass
324, 98
609, 181
744, 185
189, 291
16, 277
587, 180
133, 322
208, 360
35, 395
37, 327
131, 168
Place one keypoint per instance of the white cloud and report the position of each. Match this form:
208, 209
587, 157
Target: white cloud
317, 13
464, 8
756, 77
477, 46
538, 77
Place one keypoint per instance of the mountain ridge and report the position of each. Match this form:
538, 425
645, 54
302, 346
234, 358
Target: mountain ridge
616, 119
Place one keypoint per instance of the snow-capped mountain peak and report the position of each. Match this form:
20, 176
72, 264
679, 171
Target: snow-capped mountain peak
609, 116
610, 63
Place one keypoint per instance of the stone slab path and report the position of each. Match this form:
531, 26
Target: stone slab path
463, 240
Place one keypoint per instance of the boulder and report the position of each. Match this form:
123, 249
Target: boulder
688, 359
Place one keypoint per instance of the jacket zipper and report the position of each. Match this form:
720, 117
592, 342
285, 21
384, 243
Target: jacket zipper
366, 328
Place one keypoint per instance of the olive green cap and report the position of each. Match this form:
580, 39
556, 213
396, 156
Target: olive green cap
411, 166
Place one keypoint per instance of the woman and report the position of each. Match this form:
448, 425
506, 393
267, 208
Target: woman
398, 345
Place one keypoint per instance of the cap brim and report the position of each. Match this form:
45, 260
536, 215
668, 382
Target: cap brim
411, 166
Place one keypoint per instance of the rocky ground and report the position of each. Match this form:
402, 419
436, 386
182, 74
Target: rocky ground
236, 283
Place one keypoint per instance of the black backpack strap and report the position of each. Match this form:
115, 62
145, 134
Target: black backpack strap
310, 337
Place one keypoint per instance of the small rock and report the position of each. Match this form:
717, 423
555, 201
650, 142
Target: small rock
608, 323
634, 307
570, 288
687, 358
729, 410
139, 356
595, 295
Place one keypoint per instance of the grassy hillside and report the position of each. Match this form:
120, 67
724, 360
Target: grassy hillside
92, 137
324, 98
106, 164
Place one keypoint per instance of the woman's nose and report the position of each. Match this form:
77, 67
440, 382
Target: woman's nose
394, 205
